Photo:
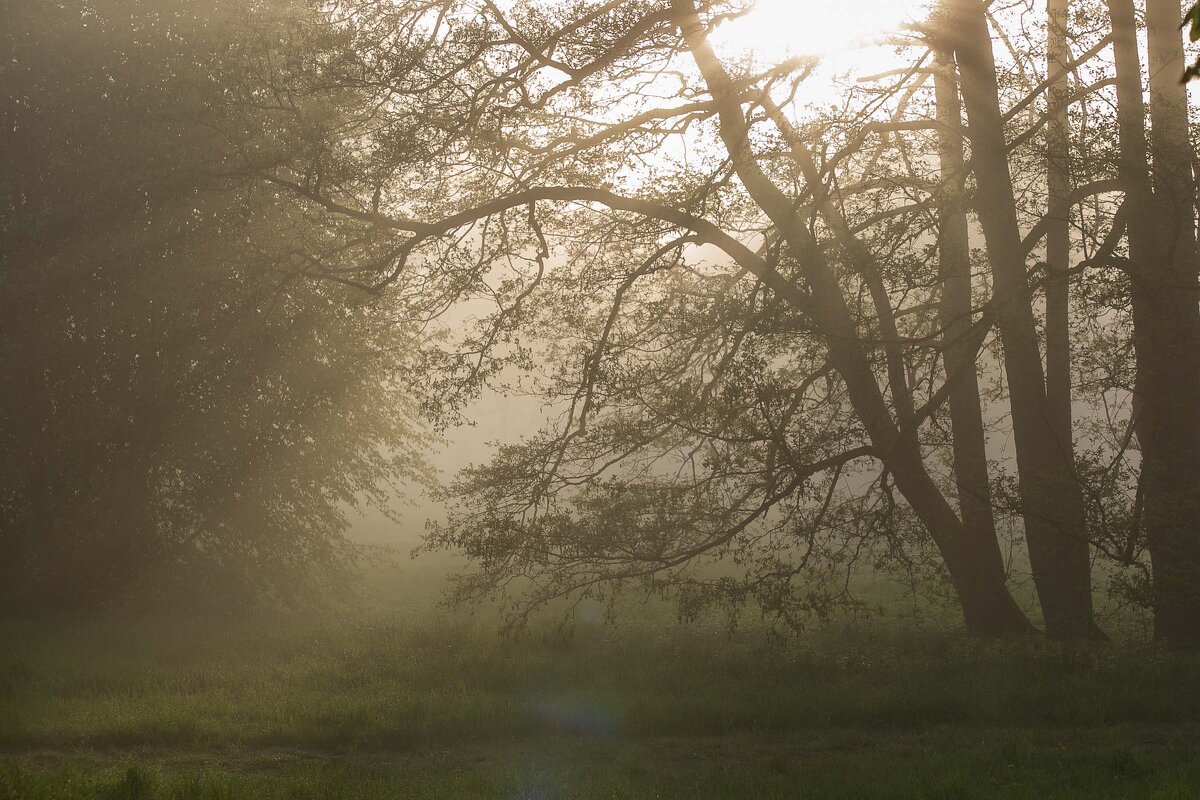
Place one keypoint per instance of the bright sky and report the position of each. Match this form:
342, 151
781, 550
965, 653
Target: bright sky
818, 27
850, 37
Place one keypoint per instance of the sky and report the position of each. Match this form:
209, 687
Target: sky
818, 27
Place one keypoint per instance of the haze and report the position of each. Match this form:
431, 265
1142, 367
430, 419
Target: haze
599, 399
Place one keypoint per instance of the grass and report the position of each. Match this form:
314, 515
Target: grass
440, 706
939, 764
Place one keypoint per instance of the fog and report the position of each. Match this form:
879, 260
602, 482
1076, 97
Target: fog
599, 399
491, 420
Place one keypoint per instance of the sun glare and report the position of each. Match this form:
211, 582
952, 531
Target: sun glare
779, 28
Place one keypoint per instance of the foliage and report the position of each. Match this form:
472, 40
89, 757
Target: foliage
728, 295
187, 414
678, 432
1191, 21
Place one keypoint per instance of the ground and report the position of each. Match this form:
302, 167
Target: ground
436, 704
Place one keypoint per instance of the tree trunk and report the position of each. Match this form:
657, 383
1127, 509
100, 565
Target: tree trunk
1050, 495
954, 253
1163, 270
1058, 232
1133, 169
972, 559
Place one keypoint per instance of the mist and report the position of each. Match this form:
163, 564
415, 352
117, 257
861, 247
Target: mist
605, 398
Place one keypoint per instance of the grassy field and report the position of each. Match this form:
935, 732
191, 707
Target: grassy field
426, 705
405, 701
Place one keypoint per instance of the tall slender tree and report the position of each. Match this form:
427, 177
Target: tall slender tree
956, 309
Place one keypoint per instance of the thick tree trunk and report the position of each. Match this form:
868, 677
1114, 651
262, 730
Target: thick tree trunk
971, 557
1051, 497
1133, 169
1163, 269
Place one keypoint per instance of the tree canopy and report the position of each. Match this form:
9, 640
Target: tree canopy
187, 415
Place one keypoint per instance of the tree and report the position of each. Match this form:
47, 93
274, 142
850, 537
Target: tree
187, 415
969, 440
1163, 270
759, 321
1054, 518
528, 151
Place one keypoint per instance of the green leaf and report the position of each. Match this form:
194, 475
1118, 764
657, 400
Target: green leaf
1193, 16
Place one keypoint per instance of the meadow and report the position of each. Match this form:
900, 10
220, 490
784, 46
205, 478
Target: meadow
419, 702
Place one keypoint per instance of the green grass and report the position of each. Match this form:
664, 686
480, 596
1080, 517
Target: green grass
938, 764
441, 706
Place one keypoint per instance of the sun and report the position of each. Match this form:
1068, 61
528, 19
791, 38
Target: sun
780, 28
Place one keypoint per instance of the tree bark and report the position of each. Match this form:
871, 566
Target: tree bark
1159, 204
1050, 495
1058, 232
954, 254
